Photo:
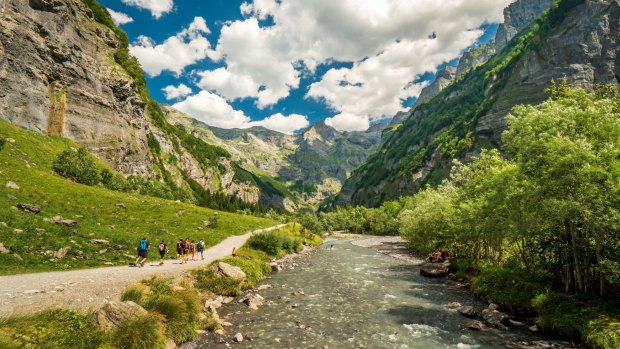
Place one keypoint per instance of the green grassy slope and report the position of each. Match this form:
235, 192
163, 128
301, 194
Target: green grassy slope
27, 162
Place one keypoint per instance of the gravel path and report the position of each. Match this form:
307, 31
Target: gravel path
82, 290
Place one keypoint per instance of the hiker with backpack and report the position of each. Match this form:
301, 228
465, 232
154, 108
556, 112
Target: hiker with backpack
201, 249
163, 248
185, 250
180, 250
143, 250
192, 249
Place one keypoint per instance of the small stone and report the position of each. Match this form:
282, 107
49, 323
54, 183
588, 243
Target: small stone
103, 251
117, 247
10, 140
228, 300
67, 223
33, 292
39, 230
453, 305
220, 332
226, 324
295, 306
467, 311
57, 218
99, 241
29, 208
473, 325
120, 205
17, 257
4, 250
12, 185
3, 224
238, 338
59, 289
11, 197
108, 263
263, 287
534, 329
61, 253
17, 231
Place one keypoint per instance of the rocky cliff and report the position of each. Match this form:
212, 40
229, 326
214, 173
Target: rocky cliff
65, 70
517, 17
313, 163
576, 40
58, 75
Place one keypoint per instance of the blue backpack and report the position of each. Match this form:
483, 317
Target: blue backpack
143, 245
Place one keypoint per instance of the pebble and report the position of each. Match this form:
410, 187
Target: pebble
238, 337
12, 185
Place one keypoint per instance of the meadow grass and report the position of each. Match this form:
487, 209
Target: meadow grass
28, 161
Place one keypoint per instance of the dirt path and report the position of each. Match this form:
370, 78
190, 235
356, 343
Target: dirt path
81, 290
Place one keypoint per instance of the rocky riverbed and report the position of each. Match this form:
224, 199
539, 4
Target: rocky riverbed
361, 293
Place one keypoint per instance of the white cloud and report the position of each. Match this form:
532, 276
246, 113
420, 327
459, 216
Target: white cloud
215, 111
387, 40
175, 53
348, 122
119, 18
156, 7
283, 123
174, 92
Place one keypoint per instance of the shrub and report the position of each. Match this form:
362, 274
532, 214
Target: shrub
113, 181
134, 293
254, 269
77, 166
1, 143
141, 332
511, 288
208, 280
269, 242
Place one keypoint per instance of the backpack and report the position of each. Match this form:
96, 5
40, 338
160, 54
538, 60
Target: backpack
201, 244
162, 247
143, 245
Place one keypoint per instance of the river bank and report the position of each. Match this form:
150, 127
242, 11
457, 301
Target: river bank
348, 296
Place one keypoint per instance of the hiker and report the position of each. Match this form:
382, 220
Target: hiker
201, 249
143, 250
234, 252
192, 249
185, 251
163, 248
180, 250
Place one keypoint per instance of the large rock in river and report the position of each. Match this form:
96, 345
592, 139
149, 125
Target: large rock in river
435, 270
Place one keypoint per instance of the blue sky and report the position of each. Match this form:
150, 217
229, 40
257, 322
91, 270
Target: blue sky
287, 64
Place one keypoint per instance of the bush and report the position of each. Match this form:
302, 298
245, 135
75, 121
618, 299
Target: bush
134, 293
254, 269
141, 332
275, 243
1, 143
207, 279
78, 166
113, 181
511, 288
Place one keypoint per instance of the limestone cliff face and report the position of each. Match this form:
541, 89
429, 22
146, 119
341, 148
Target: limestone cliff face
58, 75
474, 57
582, 45
444, 78
517, 16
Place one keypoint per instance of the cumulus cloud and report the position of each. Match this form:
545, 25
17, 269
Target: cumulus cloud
283, 123
215, 111
157, 7
175, 92
387, 40
119, 18
175, 53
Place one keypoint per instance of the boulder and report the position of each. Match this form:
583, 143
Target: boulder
4, 250
435, 270
170, 344
12, 185
61, 253
473, 325
228, 270
114, 313
253, 301
99, 241
29, 208
467, 311
495, 318
67, 223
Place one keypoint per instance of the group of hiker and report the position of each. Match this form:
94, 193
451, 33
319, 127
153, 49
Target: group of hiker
185, 250
439, 256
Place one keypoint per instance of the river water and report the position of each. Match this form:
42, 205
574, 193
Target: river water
356, 297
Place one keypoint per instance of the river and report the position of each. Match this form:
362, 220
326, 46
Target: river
347, 296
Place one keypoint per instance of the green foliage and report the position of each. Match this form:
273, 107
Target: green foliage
140, 332
218, 200
253, 268
134, 293
208, 280
266, 184
113, 181
77, 165
153, 144
361, 220
275, 243
54, 329
2, 141
301, 186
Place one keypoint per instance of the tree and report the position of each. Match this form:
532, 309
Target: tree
77, 165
